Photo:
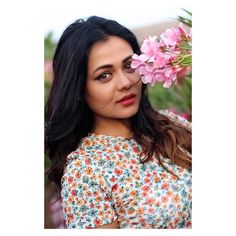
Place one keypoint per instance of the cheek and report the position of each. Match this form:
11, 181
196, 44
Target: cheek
98, 97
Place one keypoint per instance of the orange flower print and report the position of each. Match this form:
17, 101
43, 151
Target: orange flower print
129, 179
69, 209
109, 150
98, 222
77, 175
133, 162
71, 199
121, 190
173, 177
116, 148
88, 193
79, 202
147, 181
164, 199
133, 193
156, 178
151, 210
118, 163
77, 163
113, 179
101, 213
164, 176
150, 201
144, 194
88, 171
87, 142
140, 210
101, 182
145, 188
165, 185
176, 198
98, 199
106, 206
118, 172
169, 193
74, 185
70, 218
87, 161
131, 211
119, 202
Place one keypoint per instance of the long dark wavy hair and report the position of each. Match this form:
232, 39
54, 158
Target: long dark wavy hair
68, 118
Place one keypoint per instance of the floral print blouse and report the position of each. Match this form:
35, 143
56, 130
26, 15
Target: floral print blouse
105, 181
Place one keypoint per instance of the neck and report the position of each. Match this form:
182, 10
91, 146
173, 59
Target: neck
113, 127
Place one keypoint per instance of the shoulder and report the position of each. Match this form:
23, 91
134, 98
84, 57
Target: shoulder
176, 118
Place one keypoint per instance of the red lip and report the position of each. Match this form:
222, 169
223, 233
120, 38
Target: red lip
127, 97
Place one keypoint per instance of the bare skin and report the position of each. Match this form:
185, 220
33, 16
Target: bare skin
113, 225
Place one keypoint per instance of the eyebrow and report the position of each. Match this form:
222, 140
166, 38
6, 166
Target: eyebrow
110, 66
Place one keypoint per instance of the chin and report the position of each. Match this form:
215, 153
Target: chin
127, 113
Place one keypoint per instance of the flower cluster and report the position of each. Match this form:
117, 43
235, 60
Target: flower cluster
165, 60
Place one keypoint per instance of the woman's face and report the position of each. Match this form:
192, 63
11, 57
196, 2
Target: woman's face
113, 88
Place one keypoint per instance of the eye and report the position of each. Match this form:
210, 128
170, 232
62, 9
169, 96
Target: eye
104, 76
128, 67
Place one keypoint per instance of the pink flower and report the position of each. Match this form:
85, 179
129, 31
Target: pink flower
48, 67
163, 61
150, 47
170, 37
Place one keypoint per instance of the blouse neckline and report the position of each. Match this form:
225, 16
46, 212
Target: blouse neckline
110, 137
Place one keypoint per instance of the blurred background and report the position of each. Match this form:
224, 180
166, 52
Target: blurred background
148, 19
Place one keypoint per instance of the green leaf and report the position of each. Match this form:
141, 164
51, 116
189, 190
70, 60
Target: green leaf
185, 20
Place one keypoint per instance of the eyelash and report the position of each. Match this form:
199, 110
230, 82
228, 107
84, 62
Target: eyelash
129, 70
100, 77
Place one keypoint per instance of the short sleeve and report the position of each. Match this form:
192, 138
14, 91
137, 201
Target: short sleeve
176, 118
86, 204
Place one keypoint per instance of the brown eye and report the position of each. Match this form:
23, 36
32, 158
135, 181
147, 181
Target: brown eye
103, 77
128, 67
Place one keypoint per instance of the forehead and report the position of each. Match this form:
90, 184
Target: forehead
109, 51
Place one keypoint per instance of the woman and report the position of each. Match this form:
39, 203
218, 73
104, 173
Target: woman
118, 162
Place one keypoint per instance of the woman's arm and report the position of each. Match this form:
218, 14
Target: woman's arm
113, 225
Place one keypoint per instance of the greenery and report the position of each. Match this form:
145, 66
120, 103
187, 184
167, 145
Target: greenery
49, 46
186, 20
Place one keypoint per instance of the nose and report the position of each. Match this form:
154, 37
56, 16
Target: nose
123, 81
